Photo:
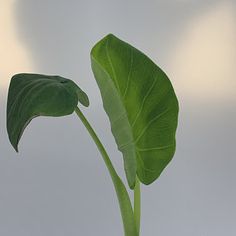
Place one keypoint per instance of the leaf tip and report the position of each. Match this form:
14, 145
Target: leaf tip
16, 149
132, 185
82, 97
86, 100
110, 35
14, 144
100, 42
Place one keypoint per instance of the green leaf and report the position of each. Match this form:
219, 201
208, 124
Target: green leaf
141, 105
32, 95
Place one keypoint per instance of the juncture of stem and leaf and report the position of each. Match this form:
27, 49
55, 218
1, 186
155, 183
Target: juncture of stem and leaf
139, 100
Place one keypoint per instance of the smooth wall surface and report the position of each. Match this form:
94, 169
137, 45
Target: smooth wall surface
57, 184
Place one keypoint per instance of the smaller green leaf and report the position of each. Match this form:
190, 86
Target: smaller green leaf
32, 95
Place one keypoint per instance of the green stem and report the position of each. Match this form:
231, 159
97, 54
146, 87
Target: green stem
121, 192
137, 204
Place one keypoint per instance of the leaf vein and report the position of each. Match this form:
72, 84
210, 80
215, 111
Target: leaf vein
31, 83
143, 102
118, 118
149, 124
153, 149
129, 74
143, 166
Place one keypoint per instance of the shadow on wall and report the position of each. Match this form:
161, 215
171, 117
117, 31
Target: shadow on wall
202, 62
64, 33
14, 57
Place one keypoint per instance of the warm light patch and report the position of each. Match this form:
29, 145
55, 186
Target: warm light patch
204, 61
13, 57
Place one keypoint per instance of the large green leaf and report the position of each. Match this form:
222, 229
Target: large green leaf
32, 95
141, 105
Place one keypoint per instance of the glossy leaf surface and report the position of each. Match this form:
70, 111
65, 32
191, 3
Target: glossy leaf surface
32, 95
141, 105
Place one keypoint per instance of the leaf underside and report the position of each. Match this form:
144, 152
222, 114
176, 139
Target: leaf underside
141, 105
32, 95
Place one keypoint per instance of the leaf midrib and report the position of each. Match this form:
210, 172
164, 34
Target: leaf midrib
119, 95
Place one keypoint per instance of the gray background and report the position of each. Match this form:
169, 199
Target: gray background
58, 185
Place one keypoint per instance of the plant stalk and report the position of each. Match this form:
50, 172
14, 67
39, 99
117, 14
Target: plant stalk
137, 204
121, 192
